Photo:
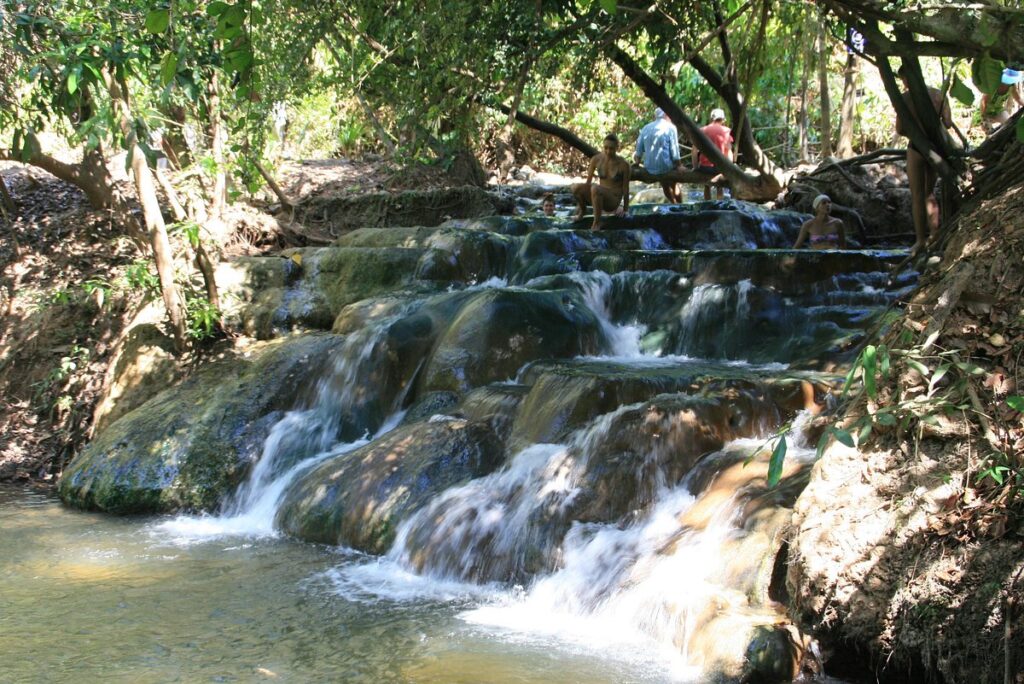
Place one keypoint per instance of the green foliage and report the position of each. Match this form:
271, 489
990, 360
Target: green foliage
139, 276
986, 74
203, 318
962, 92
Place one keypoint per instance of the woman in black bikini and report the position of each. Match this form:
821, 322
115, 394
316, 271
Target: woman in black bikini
823, 231
613, 173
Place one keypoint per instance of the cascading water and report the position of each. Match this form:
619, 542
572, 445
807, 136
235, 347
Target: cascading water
302, 438
627, 517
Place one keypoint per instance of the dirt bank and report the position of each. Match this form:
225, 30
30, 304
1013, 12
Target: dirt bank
908, 548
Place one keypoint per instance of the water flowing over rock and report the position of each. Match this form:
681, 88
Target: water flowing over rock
518, 401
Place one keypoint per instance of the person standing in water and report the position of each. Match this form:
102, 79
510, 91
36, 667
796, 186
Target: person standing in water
613, 188
824, 231
720, 135
921, 176
657, 149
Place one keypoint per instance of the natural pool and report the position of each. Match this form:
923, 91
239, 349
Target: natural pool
93, 598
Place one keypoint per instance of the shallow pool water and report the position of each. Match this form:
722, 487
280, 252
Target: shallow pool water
93, 598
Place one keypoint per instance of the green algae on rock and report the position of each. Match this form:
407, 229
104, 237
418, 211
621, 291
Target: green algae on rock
190, 445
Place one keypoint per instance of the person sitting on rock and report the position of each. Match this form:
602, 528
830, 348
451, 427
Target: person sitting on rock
720, 135
613, 187
547, 205
657, 149
824, 231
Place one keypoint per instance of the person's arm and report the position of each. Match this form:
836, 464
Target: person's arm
947, 115
674, 148
841, 230
804, 229
639, 153
694, 152
625, 189
592, 168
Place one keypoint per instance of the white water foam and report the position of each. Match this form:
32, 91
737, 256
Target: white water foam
300, 440
623, 340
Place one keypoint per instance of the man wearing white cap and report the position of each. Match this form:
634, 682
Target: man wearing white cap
657, 149
721, 137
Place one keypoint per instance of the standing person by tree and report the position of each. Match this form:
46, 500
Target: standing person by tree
657, 149
719, 134
613, 187
921, 176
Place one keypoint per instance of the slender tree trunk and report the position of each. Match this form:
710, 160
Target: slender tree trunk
146, 189
789, 110
219, 198
848, 106
805, 154
824, 55
202, 258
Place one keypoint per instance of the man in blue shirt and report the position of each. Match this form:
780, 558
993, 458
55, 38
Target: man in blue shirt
657, 149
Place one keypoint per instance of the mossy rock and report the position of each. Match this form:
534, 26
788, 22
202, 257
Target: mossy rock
190, 445
327, 280
466, 256
409, 237
359, 498
499, 331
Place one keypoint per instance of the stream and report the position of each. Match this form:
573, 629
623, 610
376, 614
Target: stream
522, 454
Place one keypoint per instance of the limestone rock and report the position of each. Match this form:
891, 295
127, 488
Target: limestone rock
359, 498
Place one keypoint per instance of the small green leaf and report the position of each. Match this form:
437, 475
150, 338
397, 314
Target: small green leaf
987, 74
961, 91
869, 371
609, 6
919, 367
168, 67
1016, 402
216, 8
864, 434
885, 419
157, 21
843, 436
1020, 129
884, 362
72, 82
235, 16
775, 463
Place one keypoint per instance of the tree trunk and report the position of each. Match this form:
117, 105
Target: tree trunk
219, 197
90, 176
824, 56
805, 154
760, 188
848, 106
563, 134
144, 186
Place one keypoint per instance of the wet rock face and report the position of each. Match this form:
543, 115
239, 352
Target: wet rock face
359, 498
190, 445
321, 282
499, 331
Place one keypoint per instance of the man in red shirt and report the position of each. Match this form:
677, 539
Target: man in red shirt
721, 136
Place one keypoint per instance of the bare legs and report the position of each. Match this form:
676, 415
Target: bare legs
597, 196
924, 208
671, 191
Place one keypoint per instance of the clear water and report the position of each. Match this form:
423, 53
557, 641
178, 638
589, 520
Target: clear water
92, 598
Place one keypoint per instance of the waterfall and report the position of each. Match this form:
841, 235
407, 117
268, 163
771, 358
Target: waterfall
302, 438
623, 340
656, 579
